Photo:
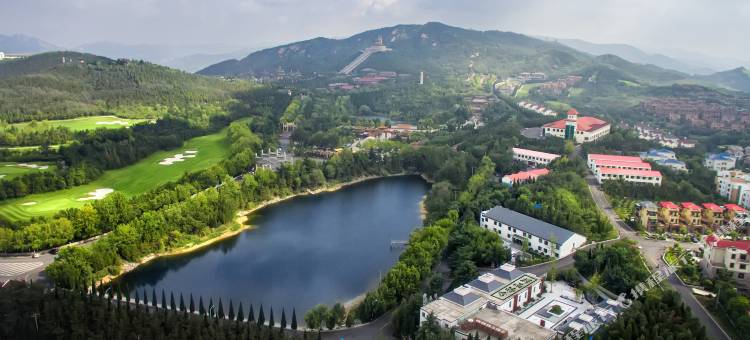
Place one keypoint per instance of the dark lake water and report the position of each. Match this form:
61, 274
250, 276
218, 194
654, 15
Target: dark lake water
324, 248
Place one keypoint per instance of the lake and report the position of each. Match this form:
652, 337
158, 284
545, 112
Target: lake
324, 248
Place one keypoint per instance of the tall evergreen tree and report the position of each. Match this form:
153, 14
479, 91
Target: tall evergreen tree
221, 309
271, 324
240, 313
231, 310
251, 314
172, 304
294, 319
145, 299
137, 299
211, 308
163, 300
283, 319
154, 302
201, 309
261, 317
182, 304
192, 304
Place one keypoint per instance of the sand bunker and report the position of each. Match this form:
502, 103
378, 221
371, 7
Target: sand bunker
114, 122
30, 166
29, 203
97, 194
180, 157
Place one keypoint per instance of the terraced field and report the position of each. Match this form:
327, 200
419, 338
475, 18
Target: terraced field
197, 153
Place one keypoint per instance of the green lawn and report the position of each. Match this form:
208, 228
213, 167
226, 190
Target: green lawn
9, 170
82, 123
523, 91
629, 83
575, 92
557, 106
131, 180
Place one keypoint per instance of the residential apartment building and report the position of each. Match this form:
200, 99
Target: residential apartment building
728, 255
594, 161
627, 168
523, 176
532, 157
669, 215
712, 216
734, 212
720, 161
515, 229
578, 129
734, 185
650, 177
691, 215
664, 157
647, 215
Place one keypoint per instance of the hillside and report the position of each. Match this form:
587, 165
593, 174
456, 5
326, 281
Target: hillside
58, 85
432, 47
736, 79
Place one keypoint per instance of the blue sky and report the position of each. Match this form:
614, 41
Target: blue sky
719, 28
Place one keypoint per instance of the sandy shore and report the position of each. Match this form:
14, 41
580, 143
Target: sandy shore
241, 222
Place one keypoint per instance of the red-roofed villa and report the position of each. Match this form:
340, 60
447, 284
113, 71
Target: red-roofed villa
729, 255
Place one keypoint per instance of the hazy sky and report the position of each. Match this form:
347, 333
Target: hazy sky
715, 27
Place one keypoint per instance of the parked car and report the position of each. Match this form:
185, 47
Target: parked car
54, 251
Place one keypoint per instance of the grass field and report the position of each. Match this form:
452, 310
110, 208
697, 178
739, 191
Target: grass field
9, 170
557, 106
523, 91
131, 180
82, 123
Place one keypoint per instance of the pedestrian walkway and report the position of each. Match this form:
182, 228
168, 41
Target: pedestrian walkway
12, 269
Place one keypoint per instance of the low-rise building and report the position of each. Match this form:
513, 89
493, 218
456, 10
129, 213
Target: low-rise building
647, 215
669, 215
533, 157
728, 255
593, 160
733, 212
720, 161
516, 229
578, 129
505, 288
664, 157
523, 176
713, 215
650, 177
691, 215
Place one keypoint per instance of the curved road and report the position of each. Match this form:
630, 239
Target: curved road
652, 251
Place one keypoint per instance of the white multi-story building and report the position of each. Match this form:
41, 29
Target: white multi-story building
627, 168
544, 238
720, 161
734, 186
578, 129
651, 177
664, 157
533, 157
729, 255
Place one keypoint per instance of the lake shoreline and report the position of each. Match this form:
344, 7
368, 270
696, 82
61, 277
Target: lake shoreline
240, 221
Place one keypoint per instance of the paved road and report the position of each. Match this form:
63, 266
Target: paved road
24, 268
378, 329
652, 251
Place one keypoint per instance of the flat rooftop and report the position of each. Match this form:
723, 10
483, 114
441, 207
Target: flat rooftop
515, 326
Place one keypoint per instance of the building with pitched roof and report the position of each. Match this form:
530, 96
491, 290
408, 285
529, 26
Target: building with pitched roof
647, 214
533, 157
577, 128
544, 238
664, 157
523, 176
729, 255
712, 215
691, 215
720, 161
627, 168
669, 215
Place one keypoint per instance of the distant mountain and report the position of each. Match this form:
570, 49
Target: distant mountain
433, 47
24, 44
635, 55
736, 79
70, 84
188, 58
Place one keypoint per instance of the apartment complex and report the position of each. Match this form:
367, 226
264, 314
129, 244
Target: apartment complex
664, 157
516, 229
627, 168
533, 157
576, 128
729, 255
523, 176
720, 161
670, 216
734, 185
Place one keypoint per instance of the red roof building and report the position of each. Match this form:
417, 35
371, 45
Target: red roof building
524, 176
668, 205
588, 129
727, 255
629, 175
